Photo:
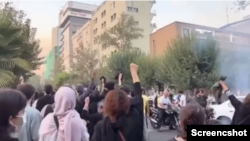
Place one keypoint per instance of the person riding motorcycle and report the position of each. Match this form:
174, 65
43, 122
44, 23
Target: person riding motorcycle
162, 106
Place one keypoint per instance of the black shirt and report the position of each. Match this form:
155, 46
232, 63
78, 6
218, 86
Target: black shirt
132, 128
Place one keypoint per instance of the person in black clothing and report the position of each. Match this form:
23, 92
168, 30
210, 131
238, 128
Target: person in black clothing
79, 89
47, 99
241, 115
97, 97
191, 114
12, 104
92, 119
123, 116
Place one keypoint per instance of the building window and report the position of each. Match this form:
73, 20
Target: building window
95, 21
104, 25
104, 46
132, 9
136, 10
95, 31
73, 32
95, 41
113, 5
185, 32
113, 17
104, 13
129, 9
136, 23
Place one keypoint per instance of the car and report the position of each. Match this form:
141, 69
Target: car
224, 112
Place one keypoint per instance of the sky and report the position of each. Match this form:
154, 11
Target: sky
44, 14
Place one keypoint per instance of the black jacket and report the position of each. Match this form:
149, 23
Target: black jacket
130, 125
241, 115
92, 119
80, 100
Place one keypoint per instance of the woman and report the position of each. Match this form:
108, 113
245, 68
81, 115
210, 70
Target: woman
65, 123
242, 110
12, 104
123, 116
191, 114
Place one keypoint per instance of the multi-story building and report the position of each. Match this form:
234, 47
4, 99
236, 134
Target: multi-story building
160, 39
107, 16
239, 26
71, 18
49, 64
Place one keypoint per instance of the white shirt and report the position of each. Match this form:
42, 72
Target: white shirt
183, 100
164, 101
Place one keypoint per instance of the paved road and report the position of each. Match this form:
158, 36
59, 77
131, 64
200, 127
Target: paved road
164, 135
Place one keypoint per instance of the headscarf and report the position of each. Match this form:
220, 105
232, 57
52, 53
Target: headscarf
70, 127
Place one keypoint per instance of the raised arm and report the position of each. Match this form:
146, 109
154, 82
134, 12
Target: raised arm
235, 102
137, 86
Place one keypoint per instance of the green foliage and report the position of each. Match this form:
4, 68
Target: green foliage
242, 4
188, 63
84, 63
10, 41
121, 35
62, 78
147, 67
21, 45
35, 80
120, 61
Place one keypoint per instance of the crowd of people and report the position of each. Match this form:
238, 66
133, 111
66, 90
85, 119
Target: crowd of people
112, 113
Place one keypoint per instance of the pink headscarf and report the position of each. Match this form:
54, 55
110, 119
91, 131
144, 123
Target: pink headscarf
71, 126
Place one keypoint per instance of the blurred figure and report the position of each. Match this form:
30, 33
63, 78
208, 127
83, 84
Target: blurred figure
29, 130
92, 118
201, 98
163, 104
79, 89
12, 104
191, 114
65, 123
48, 98
123, 119
35, 97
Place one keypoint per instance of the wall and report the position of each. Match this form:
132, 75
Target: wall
160, 39
144, 18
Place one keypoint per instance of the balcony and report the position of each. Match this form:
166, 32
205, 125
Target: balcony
152, 2
153, 25
152, 14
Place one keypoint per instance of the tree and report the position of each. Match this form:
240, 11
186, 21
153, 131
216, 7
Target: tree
10, 41
121, 35
62, 78
30, 48
119, 63
189, 63
148, 67
35, 80
58, 66
84, 63
242, 4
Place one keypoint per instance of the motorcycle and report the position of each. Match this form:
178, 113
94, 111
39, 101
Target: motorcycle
170, 118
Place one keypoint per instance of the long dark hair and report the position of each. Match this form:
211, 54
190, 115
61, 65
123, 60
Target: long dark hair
11, 103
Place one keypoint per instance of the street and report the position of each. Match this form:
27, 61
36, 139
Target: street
164, 135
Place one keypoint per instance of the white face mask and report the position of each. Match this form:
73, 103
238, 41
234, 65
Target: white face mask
17, 125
